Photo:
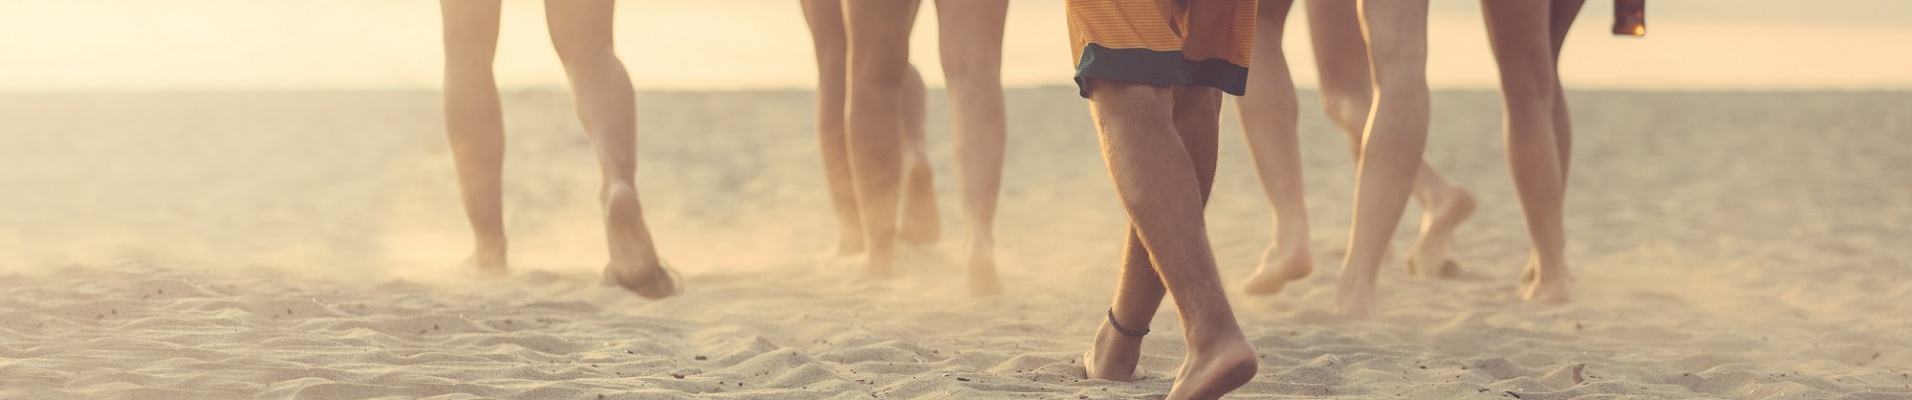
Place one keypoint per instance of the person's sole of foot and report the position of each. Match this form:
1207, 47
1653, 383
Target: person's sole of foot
1289, 267
1437, 228
661, 283
1216, 373
624, 223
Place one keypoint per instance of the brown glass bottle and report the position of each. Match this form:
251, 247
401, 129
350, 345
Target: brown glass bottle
1629, 17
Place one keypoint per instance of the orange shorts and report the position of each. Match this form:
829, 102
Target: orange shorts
1163, 42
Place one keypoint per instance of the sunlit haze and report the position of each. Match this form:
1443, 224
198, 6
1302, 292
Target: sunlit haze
112, 45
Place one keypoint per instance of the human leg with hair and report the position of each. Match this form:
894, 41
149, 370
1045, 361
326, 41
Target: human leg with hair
1158, 168
1156, 110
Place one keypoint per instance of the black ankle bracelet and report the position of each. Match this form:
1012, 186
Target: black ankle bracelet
1125, 331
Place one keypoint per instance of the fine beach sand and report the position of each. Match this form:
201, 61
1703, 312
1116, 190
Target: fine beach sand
303, 245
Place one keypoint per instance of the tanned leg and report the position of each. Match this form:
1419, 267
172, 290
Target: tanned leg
1268, 114
1391, 148
971, 45
475, 125
825, 18
601, 87
879, 68
1346, 93
1522, 46
1159, 178
921, 223
1560, 19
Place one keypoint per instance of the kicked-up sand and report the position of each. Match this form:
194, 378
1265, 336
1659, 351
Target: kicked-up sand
304, 245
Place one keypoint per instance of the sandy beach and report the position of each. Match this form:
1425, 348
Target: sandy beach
303, 245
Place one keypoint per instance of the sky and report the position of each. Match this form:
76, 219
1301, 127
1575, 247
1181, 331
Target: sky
224, 45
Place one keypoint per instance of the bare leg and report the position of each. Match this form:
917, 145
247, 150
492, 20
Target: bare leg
1391, 149
1268, 122
1522, 46
1159, 178
826, 31
1140, 288
581, 32
1561, 18
476, 125
921, 223
879, 69
1342, 59
972, 36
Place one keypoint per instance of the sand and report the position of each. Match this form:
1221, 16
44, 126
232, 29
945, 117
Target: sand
303, 245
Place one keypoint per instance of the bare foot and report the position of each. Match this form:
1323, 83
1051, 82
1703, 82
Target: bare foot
1114, 356
1546, 288
634, 264
880, 265
1216, 369
1279, 265
1429, 259
982, 269
849, 244
1355, 294
488, 260
655, 283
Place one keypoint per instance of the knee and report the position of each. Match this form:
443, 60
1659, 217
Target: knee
1399, 66
1400, 77
830, 72
869, 74
574, 55
1129, 98
467, 58
1527, 86
1348, 108
970, 71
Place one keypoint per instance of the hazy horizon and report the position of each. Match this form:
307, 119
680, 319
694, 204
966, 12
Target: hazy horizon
232, 45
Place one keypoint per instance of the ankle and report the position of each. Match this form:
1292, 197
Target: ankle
1214, 337
488, 246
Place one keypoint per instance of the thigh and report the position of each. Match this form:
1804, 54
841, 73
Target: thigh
879, 34
971, 33
1560, 18
471, 29
579, 24
1396, 32
1341, 53
1522, 44
825, 18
